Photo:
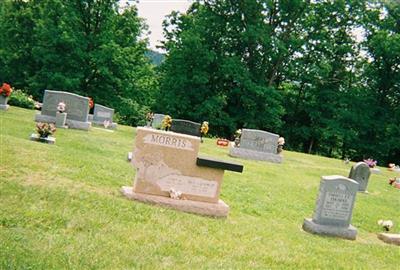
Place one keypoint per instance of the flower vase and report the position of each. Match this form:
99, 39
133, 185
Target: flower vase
61, 118
237, 142
279, 149
3, 103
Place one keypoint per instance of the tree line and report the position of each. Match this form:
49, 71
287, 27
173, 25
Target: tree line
323, 74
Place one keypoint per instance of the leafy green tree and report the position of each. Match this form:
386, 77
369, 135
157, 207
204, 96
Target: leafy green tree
89, 47
226, 60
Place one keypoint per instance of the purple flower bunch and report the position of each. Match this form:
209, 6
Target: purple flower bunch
370, 162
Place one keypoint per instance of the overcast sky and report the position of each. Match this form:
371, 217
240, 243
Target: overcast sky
154, 12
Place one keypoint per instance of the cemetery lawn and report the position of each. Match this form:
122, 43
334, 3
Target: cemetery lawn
60, 208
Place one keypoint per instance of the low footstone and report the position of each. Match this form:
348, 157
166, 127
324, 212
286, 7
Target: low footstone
334, 207
375, 171
49, 140
390, 238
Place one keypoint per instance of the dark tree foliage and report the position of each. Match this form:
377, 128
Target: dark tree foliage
89, 47
297, 68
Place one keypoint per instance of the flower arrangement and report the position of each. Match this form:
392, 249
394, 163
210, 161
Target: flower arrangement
149, 118
5, 90
204, 128
61, 107
391, 166
45, 129
370, 162
166, 122
281, 142
106, 123
222, 142
238, 134
91, 103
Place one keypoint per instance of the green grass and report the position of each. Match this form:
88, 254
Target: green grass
61, 209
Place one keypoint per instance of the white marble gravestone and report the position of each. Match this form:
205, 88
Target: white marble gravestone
334, 208
77, 109
168, 161
257, 145
360, 172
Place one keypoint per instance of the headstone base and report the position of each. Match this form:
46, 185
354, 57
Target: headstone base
254, 155
390, 238
219, 209
49, 140
4, 107
70, 123
341, 232
375, 171
111, 126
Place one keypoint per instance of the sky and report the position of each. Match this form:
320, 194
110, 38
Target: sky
154, 12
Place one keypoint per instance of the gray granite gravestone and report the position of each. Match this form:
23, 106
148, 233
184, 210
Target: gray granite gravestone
157, 120
77, 109
257, 145
102, 113
360, 172
334, 208
185, 127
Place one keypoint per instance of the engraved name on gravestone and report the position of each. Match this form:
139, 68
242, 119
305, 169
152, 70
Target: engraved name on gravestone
166, 160
157, 120
335, 202
259, 140
102, 113
360, 172
77, 107
185, 127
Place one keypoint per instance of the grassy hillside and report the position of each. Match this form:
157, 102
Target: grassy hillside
60, 208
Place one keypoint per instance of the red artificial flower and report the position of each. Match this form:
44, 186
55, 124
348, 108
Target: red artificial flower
5, 90
91, 103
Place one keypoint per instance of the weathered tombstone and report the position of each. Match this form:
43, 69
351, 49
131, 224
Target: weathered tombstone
334, 208
157, 120
169, 172
77, 109
360, 172
186, 127
257, 145
101, 114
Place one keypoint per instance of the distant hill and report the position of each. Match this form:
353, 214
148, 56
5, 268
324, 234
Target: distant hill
155, 57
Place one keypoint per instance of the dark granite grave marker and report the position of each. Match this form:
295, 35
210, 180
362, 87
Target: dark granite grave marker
186, 127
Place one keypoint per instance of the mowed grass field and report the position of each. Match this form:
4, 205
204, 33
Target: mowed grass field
60, 208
